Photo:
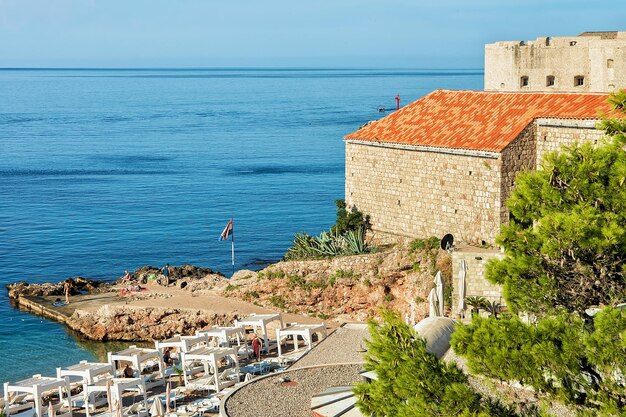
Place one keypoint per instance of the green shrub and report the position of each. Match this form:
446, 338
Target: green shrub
411, 381
278, 301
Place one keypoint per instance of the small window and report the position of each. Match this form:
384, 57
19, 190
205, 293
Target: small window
573, 43
501, 85
523, 81
609, 63
550, 81
548, 41
611, 87
579, 81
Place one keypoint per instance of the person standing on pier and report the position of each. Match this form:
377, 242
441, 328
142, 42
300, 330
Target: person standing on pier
166, 274
67, 288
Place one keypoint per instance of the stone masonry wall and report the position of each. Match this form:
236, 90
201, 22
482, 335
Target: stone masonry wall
420, 194
553, 134
475, 283
519, 156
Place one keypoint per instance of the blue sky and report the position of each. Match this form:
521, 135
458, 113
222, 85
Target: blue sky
321, 33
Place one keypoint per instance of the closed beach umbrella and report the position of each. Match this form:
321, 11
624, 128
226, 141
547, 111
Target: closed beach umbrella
462, 272
118, 407
168, 392
157, 408
433, 304
439, 287
110, 404
50, 409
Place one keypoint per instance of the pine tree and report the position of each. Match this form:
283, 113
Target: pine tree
411, 381
566, 243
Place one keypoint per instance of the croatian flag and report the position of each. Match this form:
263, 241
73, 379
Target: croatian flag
228, 230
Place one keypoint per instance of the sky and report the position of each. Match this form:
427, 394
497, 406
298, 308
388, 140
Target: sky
283, 33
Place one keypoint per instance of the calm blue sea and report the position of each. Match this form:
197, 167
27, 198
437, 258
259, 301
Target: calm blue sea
107, 170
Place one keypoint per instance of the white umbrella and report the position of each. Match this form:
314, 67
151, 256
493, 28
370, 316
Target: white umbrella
462, 273
109, 402
117, 404
433, 304
157, 408
439, 287
168, 392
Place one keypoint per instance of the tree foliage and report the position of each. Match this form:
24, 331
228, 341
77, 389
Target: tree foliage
411, 381
566, 242
560, 356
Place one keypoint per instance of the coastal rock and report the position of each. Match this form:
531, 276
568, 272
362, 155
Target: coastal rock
184, 272
80, 285
147, 324
348, 287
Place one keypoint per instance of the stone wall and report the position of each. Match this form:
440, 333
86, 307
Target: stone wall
601, 61
475, 283
519, 156
424, 193
553, 134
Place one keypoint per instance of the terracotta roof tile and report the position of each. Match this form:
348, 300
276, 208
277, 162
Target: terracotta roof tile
477, 120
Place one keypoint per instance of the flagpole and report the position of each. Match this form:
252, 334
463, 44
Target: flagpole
232, 245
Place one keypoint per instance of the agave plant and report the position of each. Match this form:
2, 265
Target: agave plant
355, 242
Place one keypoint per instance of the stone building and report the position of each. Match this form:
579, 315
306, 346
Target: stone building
447, 162
590, 62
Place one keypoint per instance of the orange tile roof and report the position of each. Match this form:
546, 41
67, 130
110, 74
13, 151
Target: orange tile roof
477, 120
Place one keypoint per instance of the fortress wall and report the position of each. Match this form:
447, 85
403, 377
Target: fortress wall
519, 156
553, 134
419, 194
562, 57
476, 285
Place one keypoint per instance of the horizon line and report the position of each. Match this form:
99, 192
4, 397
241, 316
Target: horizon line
260, 68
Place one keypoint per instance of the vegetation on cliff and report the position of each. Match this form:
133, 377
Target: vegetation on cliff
346, 237
566, 243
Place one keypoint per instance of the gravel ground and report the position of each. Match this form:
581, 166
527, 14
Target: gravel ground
344, 345
268, 397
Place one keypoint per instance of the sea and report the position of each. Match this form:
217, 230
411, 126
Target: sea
103, 170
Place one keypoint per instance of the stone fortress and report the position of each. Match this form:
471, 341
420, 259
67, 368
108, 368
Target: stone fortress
591, 61
447, 163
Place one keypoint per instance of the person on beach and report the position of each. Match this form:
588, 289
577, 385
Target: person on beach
167, 357
256, 347
127, 277
166, 274
128, 372
67, 288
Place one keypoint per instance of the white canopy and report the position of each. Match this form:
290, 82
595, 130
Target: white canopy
136, 356
261, 320
182, 343
224, 334
117, 386
85, 373
306, 331
210, 357
37, 386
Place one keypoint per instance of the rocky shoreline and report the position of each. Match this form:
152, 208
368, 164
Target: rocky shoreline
350, 288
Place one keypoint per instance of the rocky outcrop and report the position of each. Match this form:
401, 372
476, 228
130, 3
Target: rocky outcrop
185, 273
132, 323
347, 288
79, 285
